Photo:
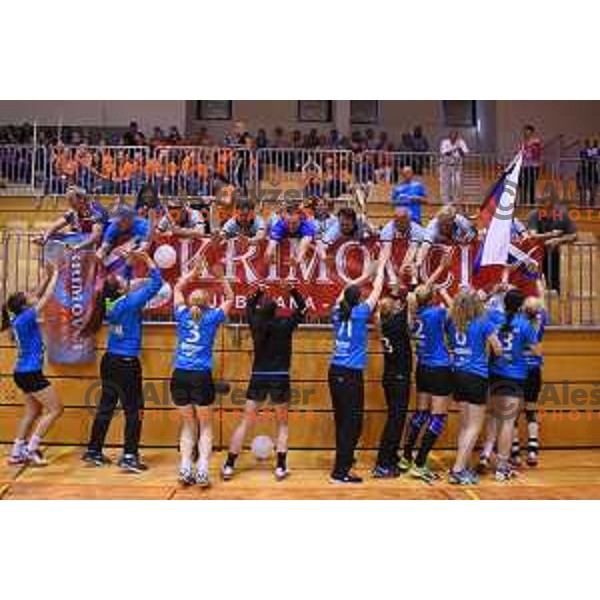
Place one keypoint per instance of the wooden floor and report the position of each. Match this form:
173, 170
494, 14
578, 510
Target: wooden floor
573, 474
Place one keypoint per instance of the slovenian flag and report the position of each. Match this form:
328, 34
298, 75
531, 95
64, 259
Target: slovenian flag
497, 212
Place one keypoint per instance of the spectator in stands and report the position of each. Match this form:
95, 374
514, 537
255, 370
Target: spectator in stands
183, 221
321, 210
552, 223
403, 227
244, 222
587, 172
279, 140
420, 145
452, 151
125, 228
312, 139
347, 226
83, 216
129, 137
334, 139
410, 193
449, 227
382, 141
174, 136
261, 139
292, 223
531, 146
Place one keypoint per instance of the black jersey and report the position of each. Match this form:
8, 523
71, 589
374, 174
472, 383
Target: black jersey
397, 350
273, 341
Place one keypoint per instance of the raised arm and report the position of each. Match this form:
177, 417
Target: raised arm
253, 301
377, 288
229, 298
46, 289
57, 226
139, 297
178, 297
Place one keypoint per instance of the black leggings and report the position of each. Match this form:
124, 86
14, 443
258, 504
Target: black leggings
348, 397
121, 381
396, 397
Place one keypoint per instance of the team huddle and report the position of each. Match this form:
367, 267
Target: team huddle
481, 350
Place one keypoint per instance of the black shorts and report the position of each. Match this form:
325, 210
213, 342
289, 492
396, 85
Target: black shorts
192, 387
437, 381
506, 386
31, 382
470, 388
533, 385
277, 388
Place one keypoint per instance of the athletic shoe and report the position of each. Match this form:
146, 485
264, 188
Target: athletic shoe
202, 479
464, 477
381, 472
35, 458
504, 474
18, 458
186, 477
281, 473
227, 472
473, 475
345, 478
423, 473
132, 463
532, 458
405, 465
515, 459
95, 458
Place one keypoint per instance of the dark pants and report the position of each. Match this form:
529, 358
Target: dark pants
348, 397
121, 382
528, 183
396, 392
552, 268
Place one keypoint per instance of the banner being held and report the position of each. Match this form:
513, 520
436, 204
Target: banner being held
70, 306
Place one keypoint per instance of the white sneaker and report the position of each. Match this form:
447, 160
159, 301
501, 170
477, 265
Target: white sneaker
36, 458
227, 472
18, 457
281, 473
202, 479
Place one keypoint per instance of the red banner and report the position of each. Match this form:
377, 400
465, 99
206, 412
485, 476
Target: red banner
319, 279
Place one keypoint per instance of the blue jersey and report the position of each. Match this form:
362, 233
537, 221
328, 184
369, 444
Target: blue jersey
515, 345
406, 194
280, 229
351, 338
124, 317
30, 345
138, 231
535, 361
469, 347
429, 330
195, 339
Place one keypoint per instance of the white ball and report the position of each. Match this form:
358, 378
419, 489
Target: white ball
165, 256
262, 446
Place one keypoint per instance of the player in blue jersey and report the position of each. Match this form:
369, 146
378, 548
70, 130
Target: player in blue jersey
120, 369
192, 387
507, 382
125, 228
350, 324
535, 311
473, 339
433, 376
20, 313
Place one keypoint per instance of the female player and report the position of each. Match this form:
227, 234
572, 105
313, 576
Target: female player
192, 387
434, 377
120, 369
272, 338
535, 312
20, 313
473, 339
350, 320
509, 371
397, 368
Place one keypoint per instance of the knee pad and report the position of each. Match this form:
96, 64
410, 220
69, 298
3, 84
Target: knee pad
437, 423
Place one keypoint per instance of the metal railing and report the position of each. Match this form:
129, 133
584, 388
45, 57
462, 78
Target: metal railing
573, 297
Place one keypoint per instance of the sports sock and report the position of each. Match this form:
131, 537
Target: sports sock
417, 421
231, 458
186, 464
434, 430
34, 443
18, 446
202, 465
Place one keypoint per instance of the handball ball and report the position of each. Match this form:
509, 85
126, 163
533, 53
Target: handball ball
165, 256
262, 446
